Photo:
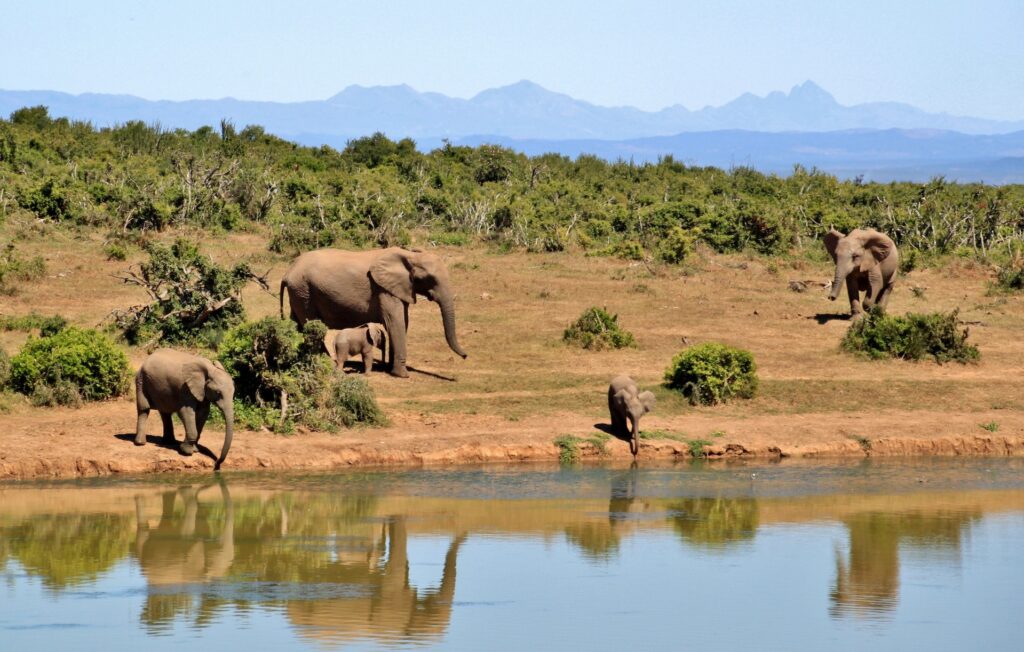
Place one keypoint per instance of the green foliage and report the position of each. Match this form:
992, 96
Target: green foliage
82, 360
5, 369
911, 337
193, 299
662, 434
115, 251
270, 360
713, 373
597, 329
1010, 277
696, 447
569, 446
138, 177
715, 522
47, 325
991, 426
14, 268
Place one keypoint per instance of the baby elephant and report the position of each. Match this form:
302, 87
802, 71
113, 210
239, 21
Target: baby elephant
361, 340
625, 400
172, 381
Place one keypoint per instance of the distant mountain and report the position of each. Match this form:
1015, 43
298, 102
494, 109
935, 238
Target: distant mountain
877, 155
522, 110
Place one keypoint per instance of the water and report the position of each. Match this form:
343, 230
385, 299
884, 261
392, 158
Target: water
925, 554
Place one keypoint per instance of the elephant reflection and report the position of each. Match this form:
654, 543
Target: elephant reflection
180, 552
384, 606
599, 540
868, 580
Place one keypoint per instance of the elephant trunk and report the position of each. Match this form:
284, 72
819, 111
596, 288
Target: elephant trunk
448, 317
842, 270
227, 407
634, 440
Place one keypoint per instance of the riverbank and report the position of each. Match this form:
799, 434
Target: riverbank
96, 441
522, 388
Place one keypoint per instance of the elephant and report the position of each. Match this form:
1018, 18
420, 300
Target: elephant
348, 288
867, 261
625, 400
172, 381
361, 340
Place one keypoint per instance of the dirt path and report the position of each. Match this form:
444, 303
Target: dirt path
96, 441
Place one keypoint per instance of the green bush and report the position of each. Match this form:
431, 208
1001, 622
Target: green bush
5, 369
597, 329
82, 359
911, 337
676, 246
270, 359
713, 373
47, 326
14, 268
1011, 277
193, 298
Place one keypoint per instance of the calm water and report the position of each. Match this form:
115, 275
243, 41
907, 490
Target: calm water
911, 555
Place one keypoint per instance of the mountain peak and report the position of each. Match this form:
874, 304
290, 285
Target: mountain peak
811, 92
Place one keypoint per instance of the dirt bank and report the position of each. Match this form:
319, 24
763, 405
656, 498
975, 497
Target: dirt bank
96, 441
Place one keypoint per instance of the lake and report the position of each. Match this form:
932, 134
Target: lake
918, 554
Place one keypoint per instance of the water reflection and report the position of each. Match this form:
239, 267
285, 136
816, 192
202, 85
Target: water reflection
335, 565
868, 579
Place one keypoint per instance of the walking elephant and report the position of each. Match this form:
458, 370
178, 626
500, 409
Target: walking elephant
173, 381
348, 288
867, 261
626, 401
361, 341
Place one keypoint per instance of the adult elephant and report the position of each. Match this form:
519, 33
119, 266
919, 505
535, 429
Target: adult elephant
344, 289
867, 261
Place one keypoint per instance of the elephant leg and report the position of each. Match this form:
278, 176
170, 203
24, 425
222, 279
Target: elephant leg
883, 296
853, 291
140, 427
168, 420
202, 414
367, 360
395, 320
188, 417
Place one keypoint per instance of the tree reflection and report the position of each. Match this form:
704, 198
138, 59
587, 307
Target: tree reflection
867, 581
600, 540
715, 523
66, 550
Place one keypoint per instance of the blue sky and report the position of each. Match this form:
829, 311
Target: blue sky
959, 57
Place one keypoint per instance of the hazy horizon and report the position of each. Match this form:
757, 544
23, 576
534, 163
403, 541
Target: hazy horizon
961, 60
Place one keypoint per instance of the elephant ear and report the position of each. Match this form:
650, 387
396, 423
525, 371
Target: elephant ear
879, 245
393, 272
373, 335
832, 239
622, 396
195, 375
647, 398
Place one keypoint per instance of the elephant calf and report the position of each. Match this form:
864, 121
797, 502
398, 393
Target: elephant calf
361, 340
172, 381
866, 261
626, 401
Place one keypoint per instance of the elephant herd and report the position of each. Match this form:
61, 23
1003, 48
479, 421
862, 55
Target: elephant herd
365, 295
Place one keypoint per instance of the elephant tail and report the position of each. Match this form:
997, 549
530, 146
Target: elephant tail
280, 298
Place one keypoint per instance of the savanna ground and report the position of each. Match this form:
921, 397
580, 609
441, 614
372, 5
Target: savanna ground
522, 387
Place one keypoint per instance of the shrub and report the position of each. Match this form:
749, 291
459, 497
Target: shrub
1011, 277
713, 373
192, 298
676, 246
47, 325
5, 369
270, 359
596, 329
911, 337
15, 268
82, 359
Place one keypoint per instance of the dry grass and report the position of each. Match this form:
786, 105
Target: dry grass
512, 309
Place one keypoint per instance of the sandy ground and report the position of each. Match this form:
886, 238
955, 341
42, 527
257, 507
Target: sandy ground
522, 387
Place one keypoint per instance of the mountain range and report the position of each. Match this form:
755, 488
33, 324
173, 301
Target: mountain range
806, 125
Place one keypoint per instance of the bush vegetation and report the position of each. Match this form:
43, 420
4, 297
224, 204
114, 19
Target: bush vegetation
136, 178
911, 337
70, 366
14, 268
191, 298
47, 325
597, 329
284, 378
713, 373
